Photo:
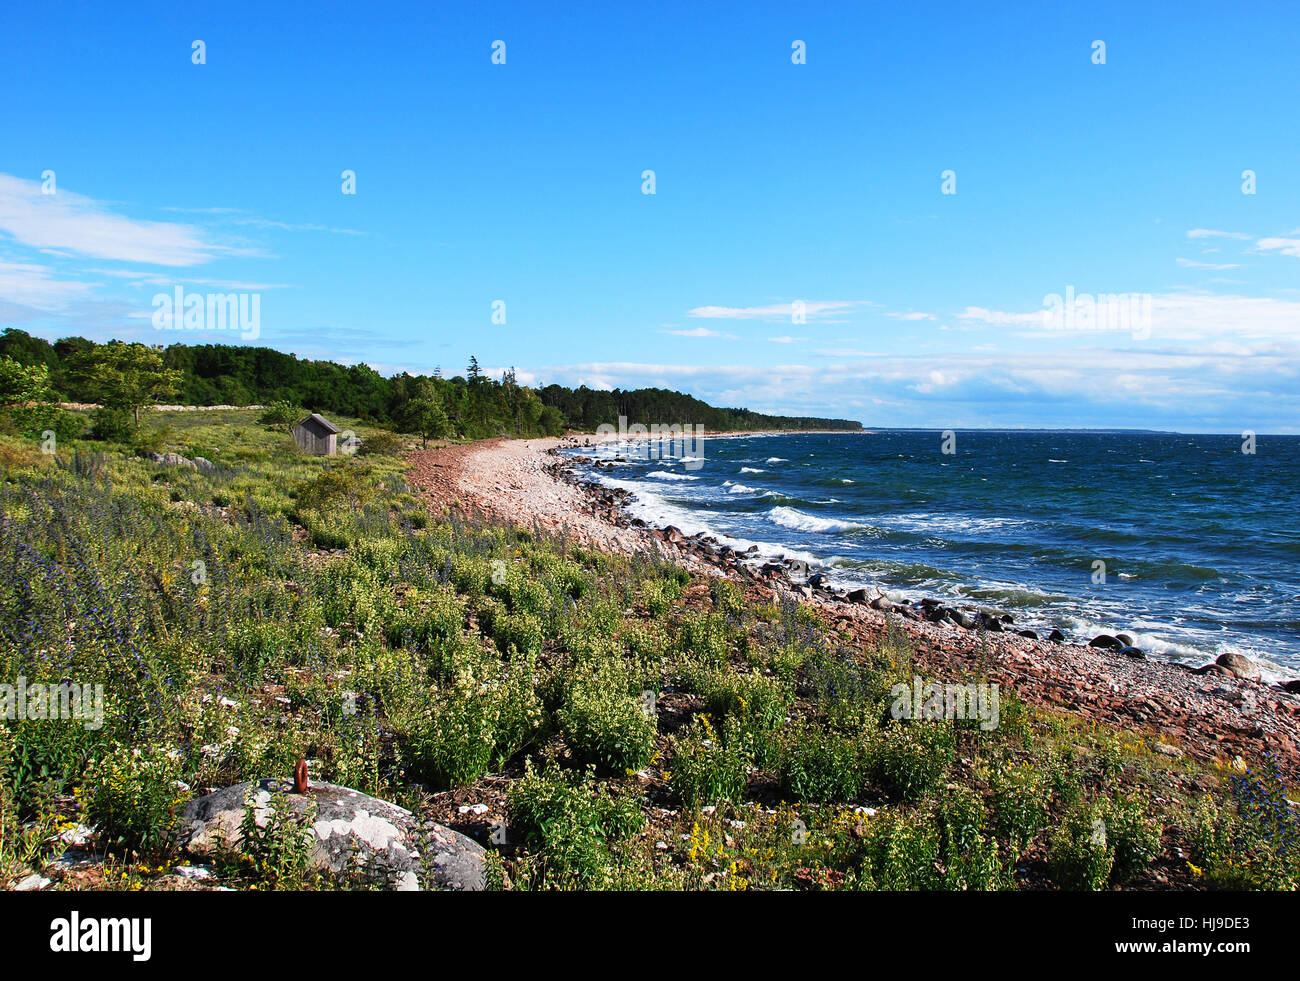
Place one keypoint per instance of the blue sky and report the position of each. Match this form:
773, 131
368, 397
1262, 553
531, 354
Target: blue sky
775, 183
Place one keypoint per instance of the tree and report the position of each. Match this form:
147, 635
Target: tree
473, 371
21, 384
423, 413
123, 376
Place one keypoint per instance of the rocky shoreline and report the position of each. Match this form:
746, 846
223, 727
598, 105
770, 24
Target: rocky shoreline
1221, 713
1222, 710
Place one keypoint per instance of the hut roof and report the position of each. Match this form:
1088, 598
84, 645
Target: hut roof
319, 425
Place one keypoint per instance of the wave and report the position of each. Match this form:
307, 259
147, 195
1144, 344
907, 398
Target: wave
777, 459
665, 475
751, 470
799, 521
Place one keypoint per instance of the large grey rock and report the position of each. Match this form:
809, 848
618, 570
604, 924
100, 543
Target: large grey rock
350, 828
1240, 665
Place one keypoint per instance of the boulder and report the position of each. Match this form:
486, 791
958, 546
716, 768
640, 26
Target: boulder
1215, 671
350, 829
882, 602
1124, 639
858, 596
1134, 652
1292, 686
1107, 642
1238, 665
1056, 636
207, 466
1031, 634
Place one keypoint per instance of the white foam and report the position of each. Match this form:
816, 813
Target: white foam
665, 475
801, 521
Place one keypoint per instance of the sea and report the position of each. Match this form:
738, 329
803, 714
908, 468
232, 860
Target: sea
1188, 543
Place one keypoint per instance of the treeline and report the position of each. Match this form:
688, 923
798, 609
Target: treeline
471, 405
585, 408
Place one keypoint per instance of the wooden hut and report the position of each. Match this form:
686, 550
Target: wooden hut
317, 435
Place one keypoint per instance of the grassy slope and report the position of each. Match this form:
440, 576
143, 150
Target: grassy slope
625, 725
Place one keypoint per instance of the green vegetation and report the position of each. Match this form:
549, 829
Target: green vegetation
473, 406
633, 726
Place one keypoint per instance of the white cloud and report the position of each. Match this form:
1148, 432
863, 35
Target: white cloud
787, 339
289, 227
140, 277
700, 332
1001, 318
911, 316
1191, 315
812, 310
31, 285
1193, 264
1211, 233
1287, 246
74, 223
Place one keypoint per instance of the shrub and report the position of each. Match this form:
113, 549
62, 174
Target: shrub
848, 693
278, 852
757, 704
703, 639
1018, 803
1064, 778
36, 420
425, 619
473, 725
1081, 855
281, 413
901, 852
708, 770
1251, 840
822, 766
382, 443
133, 797
1134, 836
573, 822
604, 725
658, 595
910, 760
727, 598
111, 425
961, 819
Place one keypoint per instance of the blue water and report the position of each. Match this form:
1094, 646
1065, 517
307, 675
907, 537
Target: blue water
1200, 541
